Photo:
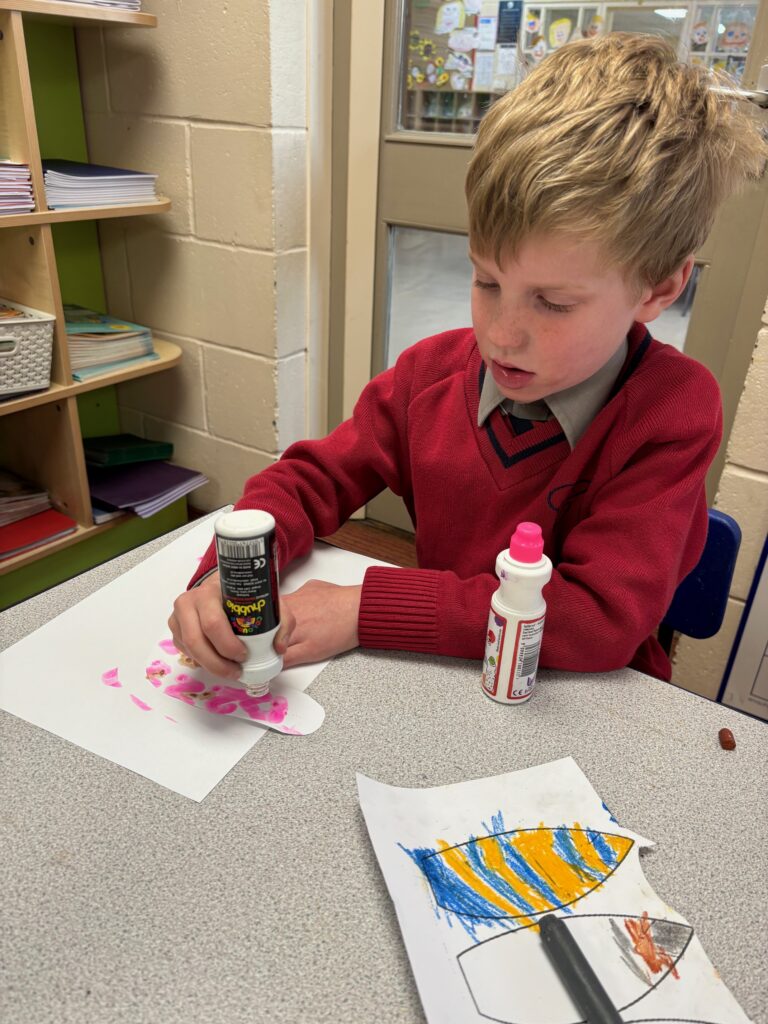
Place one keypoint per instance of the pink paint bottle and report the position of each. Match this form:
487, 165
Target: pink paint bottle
516, 620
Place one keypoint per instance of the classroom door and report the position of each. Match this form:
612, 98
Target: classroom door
443, 64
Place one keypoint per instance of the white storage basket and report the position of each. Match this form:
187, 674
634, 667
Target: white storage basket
26, 350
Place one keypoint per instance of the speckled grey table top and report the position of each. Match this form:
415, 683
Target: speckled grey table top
123, 902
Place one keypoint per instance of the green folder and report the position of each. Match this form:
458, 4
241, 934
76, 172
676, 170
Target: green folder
120, 449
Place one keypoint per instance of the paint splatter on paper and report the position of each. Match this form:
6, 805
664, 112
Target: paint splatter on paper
109, 678
157, 671
216, 698
220, 699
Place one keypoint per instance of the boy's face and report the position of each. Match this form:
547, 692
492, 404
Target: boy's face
552, 316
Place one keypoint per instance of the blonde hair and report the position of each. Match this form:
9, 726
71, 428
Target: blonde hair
616, 141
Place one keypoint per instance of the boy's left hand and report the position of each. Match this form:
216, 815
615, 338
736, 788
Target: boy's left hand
317, 621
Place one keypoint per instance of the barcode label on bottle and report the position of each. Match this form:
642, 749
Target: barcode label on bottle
530, 660
527, 647
249, 582
251, 547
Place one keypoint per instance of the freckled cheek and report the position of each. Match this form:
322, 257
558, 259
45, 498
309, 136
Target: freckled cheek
555, 352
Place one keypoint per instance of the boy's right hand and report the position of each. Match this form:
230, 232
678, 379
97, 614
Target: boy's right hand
201, 630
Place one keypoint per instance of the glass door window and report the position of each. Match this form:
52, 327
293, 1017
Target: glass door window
458, 57
430, 284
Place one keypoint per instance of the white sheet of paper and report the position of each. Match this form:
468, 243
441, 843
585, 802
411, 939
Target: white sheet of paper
484, 64
486, 32
60, 677
470, 868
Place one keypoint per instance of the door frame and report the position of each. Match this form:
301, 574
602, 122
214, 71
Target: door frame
364, 91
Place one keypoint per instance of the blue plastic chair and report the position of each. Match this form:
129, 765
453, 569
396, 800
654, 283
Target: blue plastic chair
699, 604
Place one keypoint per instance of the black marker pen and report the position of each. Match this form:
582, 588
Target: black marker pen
576, 973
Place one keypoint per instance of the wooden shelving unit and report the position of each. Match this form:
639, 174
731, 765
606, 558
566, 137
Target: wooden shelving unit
79, 14
40, 433
13, 220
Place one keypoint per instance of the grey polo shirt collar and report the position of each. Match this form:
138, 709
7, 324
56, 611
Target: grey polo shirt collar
574, 409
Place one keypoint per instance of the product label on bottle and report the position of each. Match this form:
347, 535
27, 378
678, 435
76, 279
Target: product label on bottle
249, 583
511, 657
494, 646
525, 658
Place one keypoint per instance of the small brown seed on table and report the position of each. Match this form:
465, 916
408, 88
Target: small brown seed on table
727, 742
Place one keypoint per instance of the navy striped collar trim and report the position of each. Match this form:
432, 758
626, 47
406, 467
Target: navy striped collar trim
525, 453
632, 364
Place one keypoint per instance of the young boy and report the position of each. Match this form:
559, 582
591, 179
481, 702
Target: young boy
590, 188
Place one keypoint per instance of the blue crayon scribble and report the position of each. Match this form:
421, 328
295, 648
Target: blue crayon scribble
609, 812
603, 849
489, 882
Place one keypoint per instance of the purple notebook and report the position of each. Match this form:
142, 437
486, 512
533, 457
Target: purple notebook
126, 486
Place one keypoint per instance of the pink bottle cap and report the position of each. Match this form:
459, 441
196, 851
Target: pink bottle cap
526, 544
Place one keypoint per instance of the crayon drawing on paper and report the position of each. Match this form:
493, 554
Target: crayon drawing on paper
472, 867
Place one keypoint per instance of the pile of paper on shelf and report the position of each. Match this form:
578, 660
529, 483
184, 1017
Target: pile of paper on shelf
99, 343
15, 188
70, 184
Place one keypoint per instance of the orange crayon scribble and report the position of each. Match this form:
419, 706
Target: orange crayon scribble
566, 880
494, 859
457, 861
656, 957
619, 844
586, 850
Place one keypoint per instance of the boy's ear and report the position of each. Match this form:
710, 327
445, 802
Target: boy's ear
664, 293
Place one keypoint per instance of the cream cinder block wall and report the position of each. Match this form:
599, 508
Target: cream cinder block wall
743, 494
214, 100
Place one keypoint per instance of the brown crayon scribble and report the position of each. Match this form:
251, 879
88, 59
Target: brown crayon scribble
656, 957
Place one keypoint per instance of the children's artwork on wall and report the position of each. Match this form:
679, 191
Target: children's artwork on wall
471, 868
450, 16
464, 40
595, 26
700, 35
560, 32
106, 676
735, 29
539, 51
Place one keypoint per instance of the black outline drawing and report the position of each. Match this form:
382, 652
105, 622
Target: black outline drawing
515, 831
574, 917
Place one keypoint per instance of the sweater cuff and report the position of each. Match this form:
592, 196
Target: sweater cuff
398, 609
208, 564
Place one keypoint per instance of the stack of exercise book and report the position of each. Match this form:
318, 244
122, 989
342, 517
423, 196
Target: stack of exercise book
26, 517
98, 342
70, 184
123, 5
15, 188
19, 498
127, 473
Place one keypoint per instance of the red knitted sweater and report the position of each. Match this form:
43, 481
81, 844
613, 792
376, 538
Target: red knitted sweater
623, 514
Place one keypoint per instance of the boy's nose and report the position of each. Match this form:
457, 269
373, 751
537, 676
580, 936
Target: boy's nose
508, 333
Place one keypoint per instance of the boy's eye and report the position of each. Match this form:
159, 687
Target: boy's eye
484, 284
555, 307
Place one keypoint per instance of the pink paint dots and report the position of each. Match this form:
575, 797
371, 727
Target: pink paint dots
226, 700
140, 703
110, 678
265, 709
156, 671
184, 688
168, 646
